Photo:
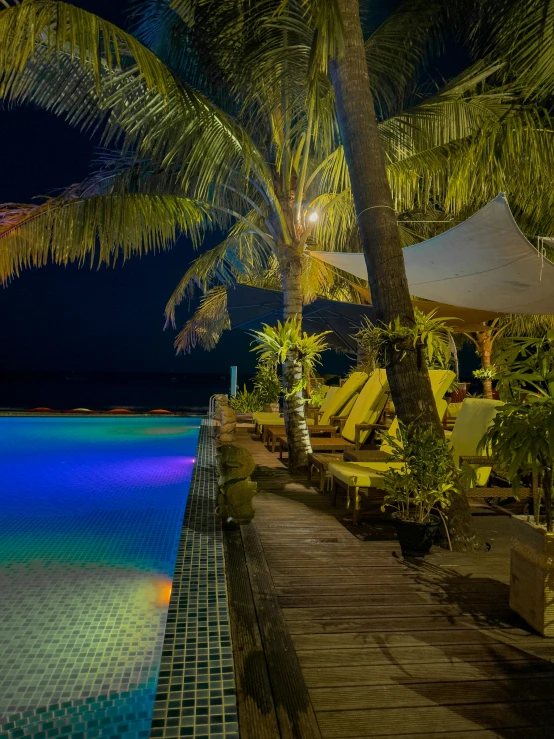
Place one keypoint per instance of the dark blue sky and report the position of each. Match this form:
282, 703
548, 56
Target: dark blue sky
80, 320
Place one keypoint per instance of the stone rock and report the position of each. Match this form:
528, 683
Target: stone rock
236, 490
236, 502
226, 438
234, 462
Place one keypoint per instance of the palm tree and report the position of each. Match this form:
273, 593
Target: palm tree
230, 125
493, 333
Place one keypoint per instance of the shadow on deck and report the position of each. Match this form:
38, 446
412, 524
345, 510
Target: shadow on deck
335, 636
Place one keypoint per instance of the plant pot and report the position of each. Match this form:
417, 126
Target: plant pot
532, 574
415, 538
271, 408
458, 395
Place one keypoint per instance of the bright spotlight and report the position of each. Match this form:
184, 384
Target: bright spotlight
313, 217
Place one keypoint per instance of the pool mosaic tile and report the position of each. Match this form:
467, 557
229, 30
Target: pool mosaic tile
91, 525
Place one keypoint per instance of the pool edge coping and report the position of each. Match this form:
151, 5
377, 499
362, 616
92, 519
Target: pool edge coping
197, 679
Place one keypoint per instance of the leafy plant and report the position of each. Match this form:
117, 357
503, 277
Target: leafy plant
486, 373
288, 341
426, 475
429, 336
267, 382
527, 366
246, 401
318, 395
521, 440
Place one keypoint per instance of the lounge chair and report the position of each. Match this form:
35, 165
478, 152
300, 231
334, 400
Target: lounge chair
472, 422
343, 396
364, 421
261, 418
358, 423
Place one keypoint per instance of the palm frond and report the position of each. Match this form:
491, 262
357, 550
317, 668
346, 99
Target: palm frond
205, 327
98, 229
240, 255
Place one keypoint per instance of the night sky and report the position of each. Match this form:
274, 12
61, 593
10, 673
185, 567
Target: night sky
61, 320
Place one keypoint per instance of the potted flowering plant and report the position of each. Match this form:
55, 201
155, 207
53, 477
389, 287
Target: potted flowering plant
418, 485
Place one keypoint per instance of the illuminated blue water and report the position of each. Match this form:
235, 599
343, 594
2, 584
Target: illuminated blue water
91, 511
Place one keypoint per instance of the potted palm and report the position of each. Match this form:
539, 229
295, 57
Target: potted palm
521, 440
418, 485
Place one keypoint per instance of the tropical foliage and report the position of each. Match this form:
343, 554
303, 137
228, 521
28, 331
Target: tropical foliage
278, 343
521, 439
429, 336
246, 401
267, 382
527, 367
424, 477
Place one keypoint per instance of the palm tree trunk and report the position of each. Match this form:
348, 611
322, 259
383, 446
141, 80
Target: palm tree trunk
298, 436
484, 341
408, 377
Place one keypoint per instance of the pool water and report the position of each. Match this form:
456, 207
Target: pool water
91, 510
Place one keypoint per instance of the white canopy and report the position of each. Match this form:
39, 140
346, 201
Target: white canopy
485, 263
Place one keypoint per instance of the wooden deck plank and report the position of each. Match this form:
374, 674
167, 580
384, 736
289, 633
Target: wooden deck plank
346, 724
430, 694
390, 674
292, 702
404, 656
386, 647
257, 716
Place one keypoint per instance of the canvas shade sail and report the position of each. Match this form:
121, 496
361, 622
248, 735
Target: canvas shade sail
485, 263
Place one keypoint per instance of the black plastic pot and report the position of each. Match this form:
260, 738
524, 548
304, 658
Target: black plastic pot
416, 538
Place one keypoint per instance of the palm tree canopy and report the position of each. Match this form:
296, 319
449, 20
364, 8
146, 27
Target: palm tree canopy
220, 115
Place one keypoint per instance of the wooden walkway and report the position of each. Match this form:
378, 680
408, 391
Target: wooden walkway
335, 637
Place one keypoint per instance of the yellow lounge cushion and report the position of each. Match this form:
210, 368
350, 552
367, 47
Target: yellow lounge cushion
368, 407
473, 420
454, 409
342, 396
362, 474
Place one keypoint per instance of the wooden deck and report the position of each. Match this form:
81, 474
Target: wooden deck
336, 637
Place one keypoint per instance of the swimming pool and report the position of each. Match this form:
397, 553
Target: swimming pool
91, 510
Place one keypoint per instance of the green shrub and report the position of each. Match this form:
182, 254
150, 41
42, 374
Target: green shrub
425, 475
246, 401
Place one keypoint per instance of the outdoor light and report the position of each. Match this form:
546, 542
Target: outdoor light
313, 217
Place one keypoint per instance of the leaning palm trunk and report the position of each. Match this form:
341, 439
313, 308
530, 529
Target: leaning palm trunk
296, 428
408, 376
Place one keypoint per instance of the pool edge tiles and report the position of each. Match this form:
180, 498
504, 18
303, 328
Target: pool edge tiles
196, 695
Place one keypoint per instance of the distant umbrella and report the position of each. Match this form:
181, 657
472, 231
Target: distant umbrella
250, 307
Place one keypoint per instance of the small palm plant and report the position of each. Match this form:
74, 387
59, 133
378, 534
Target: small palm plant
425, 475
419, 485
299, 354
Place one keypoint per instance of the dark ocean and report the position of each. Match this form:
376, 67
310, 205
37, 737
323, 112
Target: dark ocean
103, 391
